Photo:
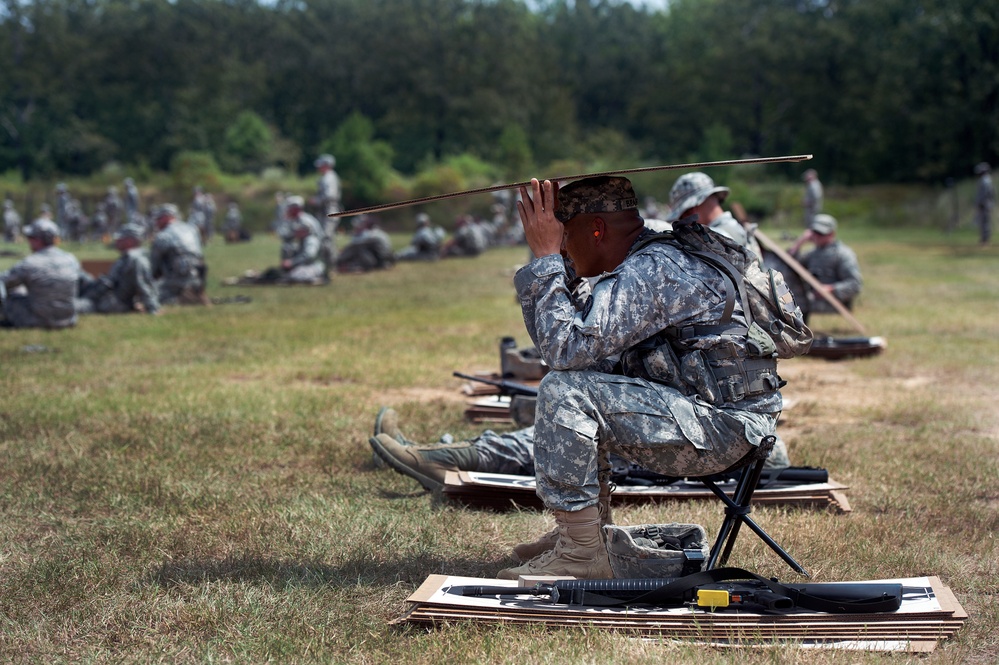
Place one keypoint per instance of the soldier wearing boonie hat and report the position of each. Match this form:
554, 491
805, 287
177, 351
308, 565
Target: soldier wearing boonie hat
831, 262
823, 224
691, 190
696, 194
45, 281
44, 229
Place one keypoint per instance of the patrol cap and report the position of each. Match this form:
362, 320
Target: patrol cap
166, 210
133, 231
295, 201
691, 190
824, 224
422, 218
42, 228
595, 195
982, 167
325, 159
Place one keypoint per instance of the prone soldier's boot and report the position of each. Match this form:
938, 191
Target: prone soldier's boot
579, 552
426, 464
387, 422
527, 551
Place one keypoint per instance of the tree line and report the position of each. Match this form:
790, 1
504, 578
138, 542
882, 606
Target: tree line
885, 90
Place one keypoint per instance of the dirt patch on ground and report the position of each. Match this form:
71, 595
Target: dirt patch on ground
821, 392
422, 395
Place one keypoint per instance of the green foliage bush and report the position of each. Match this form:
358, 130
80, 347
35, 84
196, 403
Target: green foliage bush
189, 168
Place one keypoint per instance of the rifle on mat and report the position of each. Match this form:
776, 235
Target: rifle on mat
508, 388
719, 588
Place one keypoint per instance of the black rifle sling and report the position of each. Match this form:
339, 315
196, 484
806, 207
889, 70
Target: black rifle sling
675, 589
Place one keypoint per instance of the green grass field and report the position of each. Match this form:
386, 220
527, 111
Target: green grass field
198, 487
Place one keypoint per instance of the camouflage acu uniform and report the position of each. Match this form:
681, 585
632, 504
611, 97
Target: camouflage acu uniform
812, 200
586, 410
328, 192
305, 254
985, 200
49, 277
729, 227
129, 281
11, 221
369, 249
131, 200
467, 240
177, 261
425, 244
834, 264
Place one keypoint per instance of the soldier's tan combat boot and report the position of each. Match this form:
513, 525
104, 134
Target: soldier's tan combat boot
387, 422
527, 551
579, 551
426, 464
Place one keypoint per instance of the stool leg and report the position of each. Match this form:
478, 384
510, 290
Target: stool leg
737, 509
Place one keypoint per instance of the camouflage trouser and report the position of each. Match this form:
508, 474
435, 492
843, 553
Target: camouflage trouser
513, 453
105, 304
187, 292
305, 274
17, 310
584, 416
983, 219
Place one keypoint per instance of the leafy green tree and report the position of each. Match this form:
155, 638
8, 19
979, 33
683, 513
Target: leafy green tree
189, 168
248, 143
363, 162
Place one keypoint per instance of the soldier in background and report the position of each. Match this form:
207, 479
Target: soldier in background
328, 200
62, 209
38, 292
985, 200
128, 286
369, 248
812, 199
11, 221
301, 255
176, 259
425, 244
831, 262
198, 216
280, 218
131, 200
327, 186
232, 227
467, 239
77, 223
112, 207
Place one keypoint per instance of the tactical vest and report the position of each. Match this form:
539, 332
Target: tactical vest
724, 362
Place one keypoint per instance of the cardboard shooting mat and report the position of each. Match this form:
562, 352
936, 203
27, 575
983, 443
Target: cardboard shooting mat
501, 492
929, 613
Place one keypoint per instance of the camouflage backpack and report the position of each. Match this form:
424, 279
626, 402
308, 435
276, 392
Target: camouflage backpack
776, 326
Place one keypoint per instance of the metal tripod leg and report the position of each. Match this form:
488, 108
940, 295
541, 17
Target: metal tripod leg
737, 509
